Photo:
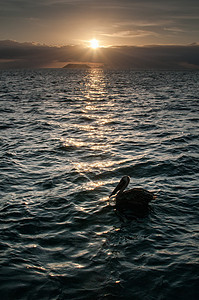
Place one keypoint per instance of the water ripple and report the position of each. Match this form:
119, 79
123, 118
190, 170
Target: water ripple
67, 137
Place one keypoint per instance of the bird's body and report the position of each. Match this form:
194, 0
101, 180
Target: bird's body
136, 199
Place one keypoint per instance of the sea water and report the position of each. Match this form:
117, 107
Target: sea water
66, 139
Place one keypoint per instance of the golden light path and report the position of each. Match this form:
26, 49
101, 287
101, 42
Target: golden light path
94, 92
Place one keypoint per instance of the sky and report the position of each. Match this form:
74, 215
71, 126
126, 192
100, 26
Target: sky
55, 26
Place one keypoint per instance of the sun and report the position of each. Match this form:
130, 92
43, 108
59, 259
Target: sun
94, 44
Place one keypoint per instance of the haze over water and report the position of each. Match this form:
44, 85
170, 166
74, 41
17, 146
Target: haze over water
67, 137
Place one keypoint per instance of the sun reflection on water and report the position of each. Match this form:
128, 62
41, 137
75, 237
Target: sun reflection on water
94, 88
92, 126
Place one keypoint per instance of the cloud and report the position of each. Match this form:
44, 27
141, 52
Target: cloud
154, 57
29, 55
131, 33
60, 21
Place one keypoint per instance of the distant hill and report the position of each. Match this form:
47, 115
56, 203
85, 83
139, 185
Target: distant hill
76, 66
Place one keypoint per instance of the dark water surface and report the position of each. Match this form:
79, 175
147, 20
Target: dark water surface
66, 139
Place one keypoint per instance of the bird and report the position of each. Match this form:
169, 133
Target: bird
135, 199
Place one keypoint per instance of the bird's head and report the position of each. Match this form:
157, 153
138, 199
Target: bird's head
121, 185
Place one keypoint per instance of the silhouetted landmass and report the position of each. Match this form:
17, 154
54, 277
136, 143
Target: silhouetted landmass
76, 66
161, 57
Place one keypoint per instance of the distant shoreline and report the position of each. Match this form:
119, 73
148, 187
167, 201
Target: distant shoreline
76, 66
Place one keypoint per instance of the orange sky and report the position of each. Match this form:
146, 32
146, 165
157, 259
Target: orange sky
131, 33
112, 22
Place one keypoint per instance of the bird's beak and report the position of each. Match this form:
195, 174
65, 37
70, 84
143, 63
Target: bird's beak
118, 188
